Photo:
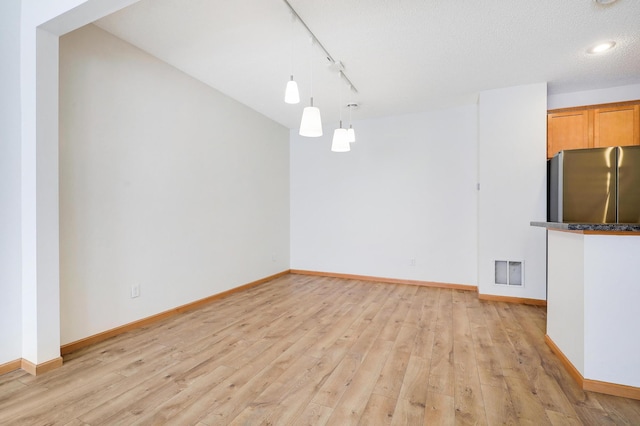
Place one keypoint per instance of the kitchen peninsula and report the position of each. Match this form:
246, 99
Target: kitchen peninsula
593, 299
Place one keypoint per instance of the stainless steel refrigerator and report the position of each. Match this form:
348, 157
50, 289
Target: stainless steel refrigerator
599, 185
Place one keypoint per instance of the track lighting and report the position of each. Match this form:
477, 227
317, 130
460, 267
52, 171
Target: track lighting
291, 94
311, 122
340, 142
351, 134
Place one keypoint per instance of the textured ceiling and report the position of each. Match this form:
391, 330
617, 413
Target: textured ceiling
402, 55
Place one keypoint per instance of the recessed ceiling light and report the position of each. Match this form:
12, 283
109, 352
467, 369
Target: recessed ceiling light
605, 1
601, 47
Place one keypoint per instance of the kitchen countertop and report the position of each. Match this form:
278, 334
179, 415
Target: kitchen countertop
598, 227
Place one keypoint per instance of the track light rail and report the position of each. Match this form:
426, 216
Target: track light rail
326, 52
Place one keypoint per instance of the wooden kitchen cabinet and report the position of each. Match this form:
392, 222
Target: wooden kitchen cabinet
567, 130
616, 126
594, 126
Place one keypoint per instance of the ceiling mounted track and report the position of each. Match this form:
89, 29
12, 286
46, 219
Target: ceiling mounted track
330, 58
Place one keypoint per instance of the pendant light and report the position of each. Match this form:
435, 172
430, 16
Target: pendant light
351, 134
311, 123
340, 143
291, 94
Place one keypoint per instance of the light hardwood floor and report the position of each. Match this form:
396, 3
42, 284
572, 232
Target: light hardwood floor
306, 350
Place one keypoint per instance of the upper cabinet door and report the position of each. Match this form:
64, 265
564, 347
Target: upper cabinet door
567, 130
616, 126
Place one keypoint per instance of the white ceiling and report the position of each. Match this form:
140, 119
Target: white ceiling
402, 55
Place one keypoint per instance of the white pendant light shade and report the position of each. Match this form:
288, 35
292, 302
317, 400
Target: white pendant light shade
340, 142
351, 135
311, 123
291, 94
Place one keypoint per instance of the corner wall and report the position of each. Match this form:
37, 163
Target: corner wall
407, 190
512, 175
164, 182
10, 184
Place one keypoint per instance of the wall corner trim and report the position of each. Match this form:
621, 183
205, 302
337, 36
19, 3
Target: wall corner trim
592, 385
90, 340
386, 280
37, 369
568, 365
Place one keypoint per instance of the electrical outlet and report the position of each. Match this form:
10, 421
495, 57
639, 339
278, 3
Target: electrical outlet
135, 291
412, 261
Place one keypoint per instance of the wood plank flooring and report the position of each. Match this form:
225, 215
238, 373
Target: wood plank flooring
304, 350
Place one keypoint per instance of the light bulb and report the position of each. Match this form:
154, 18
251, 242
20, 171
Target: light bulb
602, 47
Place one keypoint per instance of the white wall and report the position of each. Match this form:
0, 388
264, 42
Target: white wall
566, 308
41, 22
164, 182
406, 190
594, 97
10, 186
512, 174
592, 311
611, 294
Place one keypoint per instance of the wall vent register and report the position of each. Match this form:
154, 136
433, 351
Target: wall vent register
509, 272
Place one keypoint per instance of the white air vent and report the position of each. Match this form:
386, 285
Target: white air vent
509, 272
